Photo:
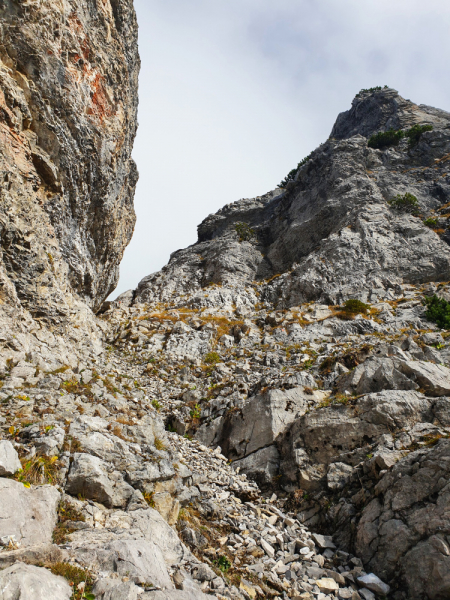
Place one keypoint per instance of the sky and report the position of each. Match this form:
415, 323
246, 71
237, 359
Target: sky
234, 93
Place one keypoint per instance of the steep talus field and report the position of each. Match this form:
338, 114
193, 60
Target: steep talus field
266, 417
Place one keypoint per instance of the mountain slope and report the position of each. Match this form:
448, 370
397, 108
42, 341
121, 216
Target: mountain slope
331, 232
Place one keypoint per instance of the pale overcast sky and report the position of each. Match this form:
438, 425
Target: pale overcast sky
234, 93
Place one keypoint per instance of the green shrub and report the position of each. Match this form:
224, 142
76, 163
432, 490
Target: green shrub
415, 133
291, 175
431, 222
75, 576
384, 139
196, 412
438, 311
355, 307
377, 88
223, 563
406, 203
156, 405
212, 358
244, 231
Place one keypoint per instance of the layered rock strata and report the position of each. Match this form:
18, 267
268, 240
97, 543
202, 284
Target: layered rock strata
68, 78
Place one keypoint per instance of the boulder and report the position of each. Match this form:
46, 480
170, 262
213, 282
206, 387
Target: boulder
155, 528
339, 433
374, 584
26, 582
28, 514
273, 412
178, 595
140, 560
9, 459
402, 531
94, 479
434, 379
338, 475
262, 466
110, 589
33, 555
374, 375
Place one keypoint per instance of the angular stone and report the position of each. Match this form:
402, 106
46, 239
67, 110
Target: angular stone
327, 585
141, 561
89, 477
338, 475
179, 595
268, 549
435, 379
374, 584
26, 582
9, 459
323, 541
29, 514
109, 589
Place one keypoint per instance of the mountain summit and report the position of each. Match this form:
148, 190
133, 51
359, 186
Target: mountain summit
332, 233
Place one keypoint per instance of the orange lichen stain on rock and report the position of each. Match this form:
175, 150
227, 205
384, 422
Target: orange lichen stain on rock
100, 101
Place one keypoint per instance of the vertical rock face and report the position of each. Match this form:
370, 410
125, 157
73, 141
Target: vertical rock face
68, 104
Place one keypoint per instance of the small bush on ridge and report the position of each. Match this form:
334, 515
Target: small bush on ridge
355, 307
414, 134
244, 231
431, 222
392, 137
212, 358
291, 175
406, 203
385, 139
438, 311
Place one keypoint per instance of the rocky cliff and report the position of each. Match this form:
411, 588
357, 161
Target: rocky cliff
269, 415
68, 77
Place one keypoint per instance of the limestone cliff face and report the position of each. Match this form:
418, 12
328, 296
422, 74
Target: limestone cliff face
68, 104
331, 233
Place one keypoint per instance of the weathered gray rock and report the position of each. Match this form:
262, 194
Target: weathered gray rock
178, 595
26, 582
434, 379
330, 434
374, 583
375, 375
262, 420
262, 466
141, 561
400, 531
43, 554
91, 477
110, 589
69, 253
338, 475
28, 514
9, 459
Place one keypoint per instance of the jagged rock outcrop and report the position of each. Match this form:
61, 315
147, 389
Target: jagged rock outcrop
68, 104
331, 233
